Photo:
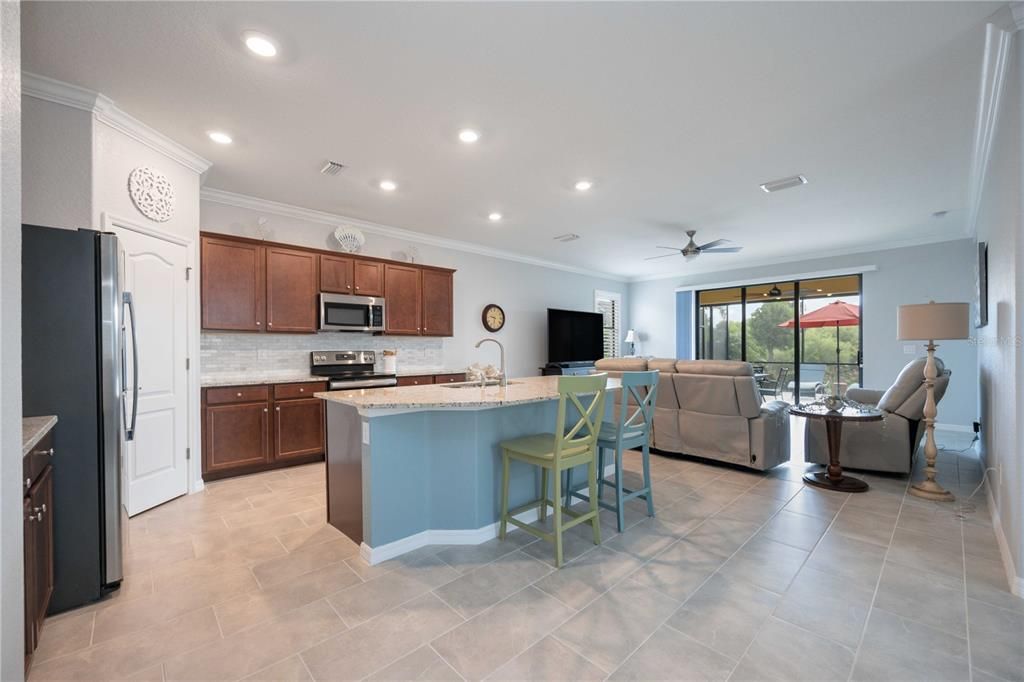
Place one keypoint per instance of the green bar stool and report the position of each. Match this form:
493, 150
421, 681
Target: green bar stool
557, 452
637, 399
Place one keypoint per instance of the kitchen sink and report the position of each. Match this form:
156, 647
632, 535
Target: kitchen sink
476, 384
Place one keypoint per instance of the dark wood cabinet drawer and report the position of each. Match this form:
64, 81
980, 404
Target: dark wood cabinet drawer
304, 390
449, 378
237, 394
38, 458
421, 380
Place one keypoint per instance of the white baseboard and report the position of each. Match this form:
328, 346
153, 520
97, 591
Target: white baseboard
958, 428
1016, 581
472, 536
476, 536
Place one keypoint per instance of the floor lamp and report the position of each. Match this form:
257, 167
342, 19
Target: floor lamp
928, 322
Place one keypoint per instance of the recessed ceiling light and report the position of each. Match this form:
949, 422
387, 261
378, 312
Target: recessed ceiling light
219, 137
388, 185
259, 44
494, 217
468, 135
583, 185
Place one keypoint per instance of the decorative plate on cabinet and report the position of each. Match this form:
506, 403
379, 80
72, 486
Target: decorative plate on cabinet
152, 194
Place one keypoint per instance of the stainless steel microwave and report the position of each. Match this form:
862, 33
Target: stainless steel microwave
343, 313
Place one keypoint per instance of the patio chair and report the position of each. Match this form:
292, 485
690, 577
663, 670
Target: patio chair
772, 388
811, 376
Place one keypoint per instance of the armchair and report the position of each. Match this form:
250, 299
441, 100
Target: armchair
888, 445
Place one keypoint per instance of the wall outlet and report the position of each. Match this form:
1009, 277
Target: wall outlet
909, 349
977, 427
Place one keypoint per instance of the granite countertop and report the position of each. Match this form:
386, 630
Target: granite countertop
518, 392
33, 429
429, 371
254, 378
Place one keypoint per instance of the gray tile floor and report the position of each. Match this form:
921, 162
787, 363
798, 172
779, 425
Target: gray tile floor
741, 576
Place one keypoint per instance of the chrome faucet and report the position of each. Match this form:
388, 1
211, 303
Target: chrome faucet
504, 376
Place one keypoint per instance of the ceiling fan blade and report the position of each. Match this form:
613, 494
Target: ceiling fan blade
711, 245
667, 255
671, 248
726, 249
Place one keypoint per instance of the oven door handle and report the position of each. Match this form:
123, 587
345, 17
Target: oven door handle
365, 383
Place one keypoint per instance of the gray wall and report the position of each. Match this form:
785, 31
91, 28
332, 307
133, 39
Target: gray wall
12, 603
943, 272
999, 366
524, 291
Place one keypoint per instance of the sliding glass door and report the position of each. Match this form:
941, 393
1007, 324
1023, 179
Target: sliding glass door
799, 335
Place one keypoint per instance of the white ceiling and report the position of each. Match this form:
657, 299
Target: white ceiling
676, 111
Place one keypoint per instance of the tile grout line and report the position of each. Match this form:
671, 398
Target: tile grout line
878, 583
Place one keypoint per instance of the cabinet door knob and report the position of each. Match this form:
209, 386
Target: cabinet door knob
357, 288
278, 409
239, 394
264, 410
258, 323
28, 483
302, 390
270, 324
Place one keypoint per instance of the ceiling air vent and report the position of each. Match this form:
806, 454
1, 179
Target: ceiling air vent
567, 237
332, 168
784, 183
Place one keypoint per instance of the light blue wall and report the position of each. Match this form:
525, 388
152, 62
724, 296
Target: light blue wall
684, 325
942, 271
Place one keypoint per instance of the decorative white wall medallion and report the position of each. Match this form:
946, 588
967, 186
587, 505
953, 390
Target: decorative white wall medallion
152, 194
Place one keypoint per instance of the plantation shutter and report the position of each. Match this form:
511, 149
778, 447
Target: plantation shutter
609, 308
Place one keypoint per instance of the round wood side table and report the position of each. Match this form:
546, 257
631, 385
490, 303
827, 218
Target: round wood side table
833, 477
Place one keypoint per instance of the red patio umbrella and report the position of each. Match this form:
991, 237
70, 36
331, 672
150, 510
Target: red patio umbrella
836, 314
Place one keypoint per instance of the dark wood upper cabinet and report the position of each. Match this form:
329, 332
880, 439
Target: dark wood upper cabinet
403, 293
298, 427
233, 285
336, 275
368, 276
292, 284
251, 285
437, 302
236, 436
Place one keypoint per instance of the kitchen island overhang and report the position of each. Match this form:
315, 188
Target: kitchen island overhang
421, 465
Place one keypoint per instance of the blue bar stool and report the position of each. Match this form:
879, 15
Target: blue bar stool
637, 399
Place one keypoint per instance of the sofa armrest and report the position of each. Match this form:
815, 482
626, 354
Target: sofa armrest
769, 436
864, 396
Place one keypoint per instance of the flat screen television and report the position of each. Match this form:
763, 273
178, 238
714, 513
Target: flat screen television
575, 336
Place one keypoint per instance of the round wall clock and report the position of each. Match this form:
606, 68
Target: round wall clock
493, 317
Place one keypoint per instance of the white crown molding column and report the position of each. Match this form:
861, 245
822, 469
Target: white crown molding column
107, 112
999, 32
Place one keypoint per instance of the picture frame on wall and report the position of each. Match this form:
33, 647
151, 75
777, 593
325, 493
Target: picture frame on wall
981, 316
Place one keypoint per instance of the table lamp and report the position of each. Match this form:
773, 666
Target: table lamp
928, 322
631, 340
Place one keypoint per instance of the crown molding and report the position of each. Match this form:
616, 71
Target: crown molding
106, 111
995, 62
226, 198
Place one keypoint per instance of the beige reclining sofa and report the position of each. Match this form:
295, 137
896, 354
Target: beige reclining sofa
712, 409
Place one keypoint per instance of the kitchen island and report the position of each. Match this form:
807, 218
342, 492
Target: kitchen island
421, 465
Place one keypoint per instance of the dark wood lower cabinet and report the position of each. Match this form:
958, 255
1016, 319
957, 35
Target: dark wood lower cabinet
253, 428
298, 428
38, 526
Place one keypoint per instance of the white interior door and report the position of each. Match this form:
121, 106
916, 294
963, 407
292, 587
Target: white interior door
155, 467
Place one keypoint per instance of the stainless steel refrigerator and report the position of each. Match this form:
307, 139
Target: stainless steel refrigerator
77, 352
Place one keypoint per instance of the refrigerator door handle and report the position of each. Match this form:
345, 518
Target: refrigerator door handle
129, 432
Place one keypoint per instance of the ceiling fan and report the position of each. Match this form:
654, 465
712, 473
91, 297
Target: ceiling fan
691, 250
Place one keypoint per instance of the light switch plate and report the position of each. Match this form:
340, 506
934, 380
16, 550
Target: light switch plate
366, 433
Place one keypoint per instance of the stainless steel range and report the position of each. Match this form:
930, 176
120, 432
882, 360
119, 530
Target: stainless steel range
349, 369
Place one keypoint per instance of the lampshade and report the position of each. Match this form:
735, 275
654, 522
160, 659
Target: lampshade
631, 336
931, 321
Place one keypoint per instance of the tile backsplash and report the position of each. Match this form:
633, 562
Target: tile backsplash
235, 354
